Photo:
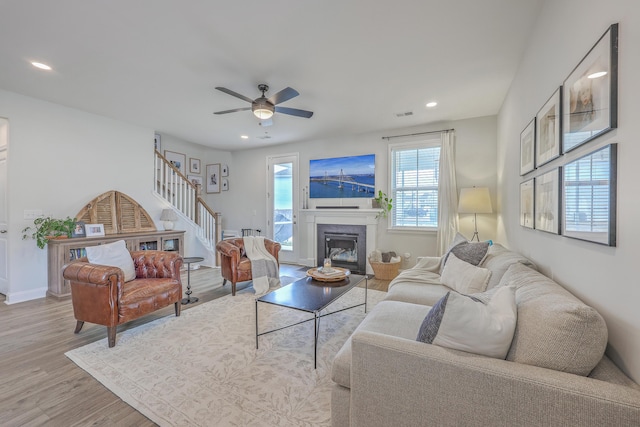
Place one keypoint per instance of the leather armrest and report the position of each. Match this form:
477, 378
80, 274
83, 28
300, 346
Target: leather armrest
227, 248
83, 272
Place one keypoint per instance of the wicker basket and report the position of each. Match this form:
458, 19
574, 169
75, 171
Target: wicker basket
385, 270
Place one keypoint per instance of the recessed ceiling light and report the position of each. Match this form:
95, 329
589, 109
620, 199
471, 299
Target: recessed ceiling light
431, 104
244, 136
41, 66
597, 74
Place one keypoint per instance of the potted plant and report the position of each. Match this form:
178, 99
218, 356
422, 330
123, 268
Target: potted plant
46, 227
382, 201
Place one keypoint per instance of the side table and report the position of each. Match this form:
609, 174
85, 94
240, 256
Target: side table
189, 261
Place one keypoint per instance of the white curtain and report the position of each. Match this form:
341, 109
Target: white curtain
447, 194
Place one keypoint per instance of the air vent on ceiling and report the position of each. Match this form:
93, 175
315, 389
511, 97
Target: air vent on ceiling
408, 113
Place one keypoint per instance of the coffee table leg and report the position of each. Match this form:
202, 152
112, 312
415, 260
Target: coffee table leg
315, 340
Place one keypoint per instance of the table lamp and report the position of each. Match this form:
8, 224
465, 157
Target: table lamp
168, 216
474, 201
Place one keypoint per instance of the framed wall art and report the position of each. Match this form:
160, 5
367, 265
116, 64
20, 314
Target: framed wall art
225, 184
342, 177
225, 170
547, 201
194, 165
590, 93
526, 204
157, 142
213, 178
195, 179
547, 126
589, 196
176, 159
527, 148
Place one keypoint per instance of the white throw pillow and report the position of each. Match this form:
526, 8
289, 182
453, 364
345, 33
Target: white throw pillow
463, 323
464, 277
113, 254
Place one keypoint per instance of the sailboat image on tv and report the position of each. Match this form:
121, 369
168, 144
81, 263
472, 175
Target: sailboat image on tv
342, 177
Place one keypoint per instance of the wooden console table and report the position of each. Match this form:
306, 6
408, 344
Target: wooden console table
62, 251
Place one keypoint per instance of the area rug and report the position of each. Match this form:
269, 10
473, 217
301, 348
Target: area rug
203, 369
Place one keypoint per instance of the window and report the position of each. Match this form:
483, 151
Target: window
414, 183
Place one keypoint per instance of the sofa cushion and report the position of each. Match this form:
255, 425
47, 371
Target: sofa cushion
417, 293
399, 319
463, 323
555, 329
499, 259
113, 254
464, 277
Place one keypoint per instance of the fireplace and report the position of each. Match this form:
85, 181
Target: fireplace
345, 245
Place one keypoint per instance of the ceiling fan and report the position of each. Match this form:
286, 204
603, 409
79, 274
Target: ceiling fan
263, 107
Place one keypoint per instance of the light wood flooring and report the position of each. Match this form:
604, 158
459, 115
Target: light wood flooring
40, 386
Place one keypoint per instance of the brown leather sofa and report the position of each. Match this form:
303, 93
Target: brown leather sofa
236, 267
100, 295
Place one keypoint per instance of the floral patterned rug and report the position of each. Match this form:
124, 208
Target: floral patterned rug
203, 369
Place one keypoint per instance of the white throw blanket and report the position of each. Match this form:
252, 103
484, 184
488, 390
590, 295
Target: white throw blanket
264, 267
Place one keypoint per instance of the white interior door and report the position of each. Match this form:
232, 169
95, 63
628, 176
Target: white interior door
282, 204
4, 271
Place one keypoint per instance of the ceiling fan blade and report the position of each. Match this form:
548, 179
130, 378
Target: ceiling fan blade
233, 111
294, 112
232, 93
284, 95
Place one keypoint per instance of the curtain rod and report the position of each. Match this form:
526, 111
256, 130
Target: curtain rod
419, 133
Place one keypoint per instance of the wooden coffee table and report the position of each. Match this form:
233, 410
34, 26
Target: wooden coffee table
311, 296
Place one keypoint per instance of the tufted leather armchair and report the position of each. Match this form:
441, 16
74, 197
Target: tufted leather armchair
100, 295
236, 267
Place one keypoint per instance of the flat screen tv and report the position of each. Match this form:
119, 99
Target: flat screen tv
342, 177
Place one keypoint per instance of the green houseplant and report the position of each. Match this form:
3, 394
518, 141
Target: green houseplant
382, 201
46, 227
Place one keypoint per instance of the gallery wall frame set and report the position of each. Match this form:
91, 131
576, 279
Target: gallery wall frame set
176, 159
578, 197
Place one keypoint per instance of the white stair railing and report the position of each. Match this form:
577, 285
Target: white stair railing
171, 185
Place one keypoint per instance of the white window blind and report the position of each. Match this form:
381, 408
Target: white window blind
414, 184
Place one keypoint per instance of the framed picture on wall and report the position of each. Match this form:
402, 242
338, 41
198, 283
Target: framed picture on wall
225, 170
547, 201
589, 197
527, 148
194, 165
548, 130
225, 184
526, 203
157, 142
176, 159
590, 93
195, 179
213, 178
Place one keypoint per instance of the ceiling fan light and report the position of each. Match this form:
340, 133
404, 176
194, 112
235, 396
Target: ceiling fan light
263, 113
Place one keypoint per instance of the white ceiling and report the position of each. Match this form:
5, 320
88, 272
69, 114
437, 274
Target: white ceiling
356, 63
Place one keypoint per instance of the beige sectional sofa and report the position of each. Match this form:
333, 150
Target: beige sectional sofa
555, 372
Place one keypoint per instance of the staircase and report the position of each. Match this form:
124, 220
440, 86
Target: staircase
172, 186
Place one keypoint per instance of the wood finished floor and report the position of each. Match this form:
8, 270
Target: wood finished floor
40, 386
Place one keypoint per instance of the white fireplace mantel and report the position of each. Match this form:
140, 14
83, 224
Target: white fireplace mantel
313, 217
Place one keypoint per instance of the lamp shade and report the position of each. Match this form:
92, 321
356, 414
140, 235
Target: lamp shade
168, 215
474, 200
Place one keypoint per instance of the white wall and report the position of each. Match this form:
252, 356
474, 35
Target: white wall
603, 277
61, 158
476, 165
